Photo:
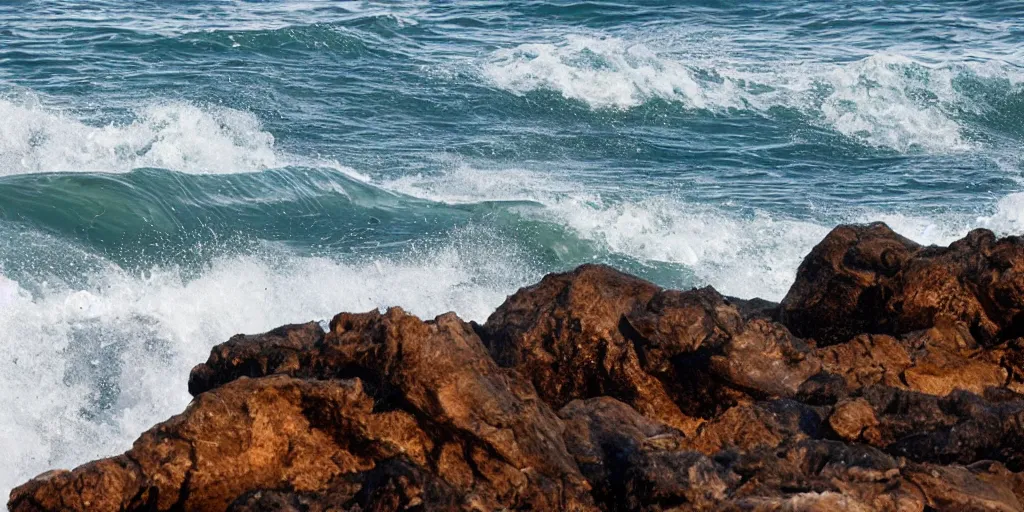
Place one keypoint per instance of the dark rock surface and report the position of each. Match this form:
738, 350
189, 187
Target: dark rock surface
888, 379
868, 279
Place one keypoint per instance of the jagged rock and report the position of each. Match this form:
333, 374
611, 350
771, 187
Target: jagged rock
979, 487
635, 463
765, 358
377, 388
1011, 358
868, 279
817, 475
677, 357
285, 350
565, 334
831, 476
959, 428
936, 361
890, 378
761, 425
638, 464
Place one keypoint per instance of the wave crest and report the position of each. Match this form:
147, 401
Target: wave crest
883, 100
172, 135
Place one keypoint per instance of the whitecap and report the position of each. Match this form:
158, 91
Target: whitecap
36, 137
886, 99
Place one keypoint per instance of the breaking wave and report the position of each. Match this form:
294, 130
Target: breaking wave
189, 138
884, 100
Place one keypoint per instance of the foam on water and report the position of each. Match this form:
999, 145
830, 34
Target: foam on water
743, 255
893, 101
175, 135
886, 100
172, 135
1009, 216
85, 370
604, 72
752, 256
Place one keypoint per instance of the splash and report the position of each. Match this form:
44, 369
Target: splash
86, 369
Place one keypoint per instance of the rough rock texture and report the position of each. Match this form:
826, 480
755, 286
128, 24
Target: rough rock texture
868, 279
386, 411
890, 378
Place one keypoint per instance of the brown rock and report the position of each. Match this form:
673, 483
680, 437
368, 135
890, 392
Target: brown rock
762, 425
961, 428
936, 361
676, 357
565, 335
390, 390
900, 390
766, 359
868, 279
854, 420
285, 350
813, 474
982, 487
635, 463
867, 360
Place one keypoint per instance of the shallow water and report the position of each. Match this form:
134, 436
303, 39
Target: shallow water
175, 173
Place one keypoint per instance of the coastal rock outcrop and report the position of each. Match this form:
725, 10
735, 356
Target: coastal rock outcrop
868, 279
889, 378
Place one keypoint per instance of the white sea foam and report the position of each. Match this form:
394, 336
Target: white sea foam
175, 135
603, 72
128, 342
179, 136
879, 100
743, 255
885, 100
748, 257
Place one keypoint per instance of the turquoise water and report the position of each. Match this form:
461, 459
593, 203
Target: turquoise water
172, 173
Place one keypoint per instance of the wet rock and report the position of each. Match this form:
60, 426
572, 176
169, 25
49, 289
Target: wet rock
815, 475
980, 487
635, 463
284, 350
762, 425
765, 358
936, 361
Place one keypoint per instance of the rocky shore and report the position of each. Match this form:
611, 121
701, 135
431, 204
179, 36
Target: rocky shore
891, 377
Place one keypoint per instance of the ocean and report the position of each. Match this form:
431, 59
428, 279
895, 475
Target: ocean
173, 173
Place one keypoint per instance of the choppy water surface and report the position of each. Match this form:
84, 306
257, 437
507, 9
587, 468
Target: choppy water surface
172, 173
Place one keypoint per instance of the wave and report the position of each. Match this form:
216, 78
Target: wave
883, 100
740, 253
182, 136
171, 135
154, 217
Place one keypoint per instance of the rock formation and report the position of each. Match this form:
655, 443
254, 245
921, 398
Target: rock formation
889, 378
